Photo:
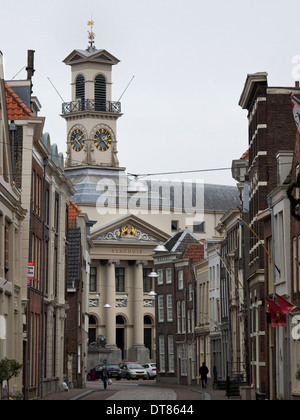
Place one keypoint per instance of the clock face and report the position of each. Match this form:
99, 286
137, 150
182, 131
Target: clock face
102, 139
77, 139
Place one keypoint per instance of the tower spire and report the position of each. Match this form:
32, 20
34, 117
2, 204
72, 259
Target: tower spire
91, 36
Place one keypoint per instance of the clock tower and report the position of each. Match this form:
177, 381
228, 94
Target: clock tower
91, 116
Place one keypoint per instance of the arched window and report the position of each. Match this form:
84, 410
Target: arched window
120, 320
147, 320
92, 329
80, 90
100, 93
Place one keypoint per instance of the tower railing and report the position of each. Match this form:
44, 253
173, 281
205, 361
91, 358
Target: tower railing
91, 105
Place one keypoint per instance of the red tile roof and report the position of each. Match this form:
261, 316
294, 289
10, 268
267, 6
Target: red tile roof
245, 155
73, 213
16, 109
195, 252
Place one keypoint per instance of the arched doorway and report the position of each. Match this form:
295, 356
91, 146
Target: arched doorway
120, 334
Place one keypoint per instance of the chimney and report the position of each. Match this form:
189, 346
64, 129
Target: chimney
30, 64
297, 84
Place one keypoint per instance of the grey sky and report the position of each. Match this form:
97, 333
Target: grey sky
190, 60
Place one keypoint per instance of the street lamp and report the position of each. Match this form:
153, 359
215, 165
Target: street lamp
160, 248
153, 274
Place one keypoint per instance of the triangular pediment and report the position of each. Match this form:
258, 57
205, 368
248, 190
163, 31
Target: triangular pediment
129, 229
80, 56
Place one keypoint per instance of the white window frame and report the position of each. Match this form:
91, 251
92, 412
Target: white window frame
171, 356
161, 344
169, 301
160, 278
168, 275
178, 317
180, 279
183, 317
160, 307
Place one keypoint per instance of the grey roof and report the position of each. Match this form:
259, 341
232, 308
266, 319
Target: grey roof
74, 256
180, 241
90, 183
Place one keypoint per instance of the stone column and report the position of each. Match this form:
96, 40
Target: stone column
138, 351
110, 318
138, 332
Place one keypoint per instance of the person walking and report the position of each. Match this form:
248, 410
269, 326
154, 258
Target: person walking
203, 371
104, 376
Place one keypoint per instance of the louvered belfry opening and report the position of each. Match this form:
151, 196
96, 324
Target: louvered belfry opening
100, 93
80, 90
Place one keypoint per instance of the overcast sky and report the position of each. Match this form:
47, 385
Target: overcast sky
189, 59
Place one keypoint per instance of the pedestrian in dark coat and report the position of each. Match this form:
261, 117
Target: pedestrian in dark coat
104, 376
203, 371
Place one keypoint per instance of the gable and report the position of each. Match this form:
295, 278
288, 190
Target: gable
80, 56
129, 229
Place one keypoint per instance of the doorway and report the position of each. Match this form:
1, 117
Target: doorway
120, 334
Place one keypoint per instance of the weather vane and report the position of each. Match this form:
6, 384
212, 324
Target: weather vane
91, 35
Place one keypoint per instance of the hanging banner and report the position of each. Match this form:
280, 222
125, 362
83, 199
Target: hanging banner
30, 273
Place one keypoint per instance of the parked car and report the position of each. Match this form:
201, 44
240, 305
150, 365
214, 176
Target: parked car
132, 370
95, 373
150, 369
114, 371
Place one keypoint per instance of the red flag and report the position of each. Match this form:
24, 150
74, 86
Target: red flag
278, 318
285, 306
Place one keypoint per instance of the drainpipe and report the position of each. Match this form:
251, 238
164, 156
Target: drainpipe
29, 300
43, 277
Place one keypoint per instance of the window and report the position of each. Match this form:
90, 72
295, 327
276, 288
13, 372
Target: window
180, 279
6, 250
169, 308
80, 90
190, 291
174, 225
178, 317
56, 212
100, 93
198, 227
161, 344
183, 316
171, 353
160, 278
160, 305
93, 279
183, 359
147, 281
92, 329
120, 279
168, 275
